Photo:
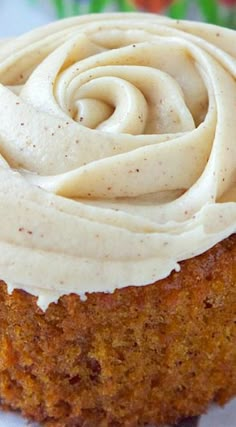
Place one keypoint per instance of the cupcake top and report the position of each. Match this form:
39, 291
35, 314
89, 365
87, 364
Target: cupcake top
118, 151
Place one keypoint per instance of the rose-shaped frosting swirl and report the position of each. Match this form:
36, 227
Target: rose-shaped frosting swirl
118, 151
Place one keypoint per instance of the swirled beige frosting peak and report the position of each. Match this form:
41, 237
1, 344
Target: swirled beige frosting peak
118, 151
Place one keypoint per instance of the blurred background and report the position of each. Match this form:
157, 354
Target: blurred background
17, 16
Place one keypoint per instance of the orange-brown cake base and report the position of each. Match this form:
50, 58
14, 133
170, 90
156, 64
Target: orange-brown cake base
150, 354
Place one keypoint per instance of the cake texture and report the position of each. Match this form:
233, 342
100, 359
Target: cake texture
152, 354
118, 220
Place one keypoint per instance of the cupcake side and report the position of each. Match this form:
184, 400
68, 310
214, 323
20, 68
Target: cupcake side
154, 354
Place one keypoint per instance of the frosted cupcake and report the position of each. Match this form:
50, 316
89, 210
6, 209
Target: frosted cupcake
117, 199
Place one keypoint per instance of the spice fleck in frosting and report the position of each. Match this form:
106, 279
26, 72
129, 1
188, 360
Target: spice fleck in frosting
118, 151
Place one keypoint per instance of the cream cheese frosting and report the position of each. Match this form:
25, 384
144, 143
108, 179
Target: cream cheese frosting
118, 151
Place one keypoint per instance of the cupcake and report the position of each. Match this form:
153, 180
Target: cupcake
118, 210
